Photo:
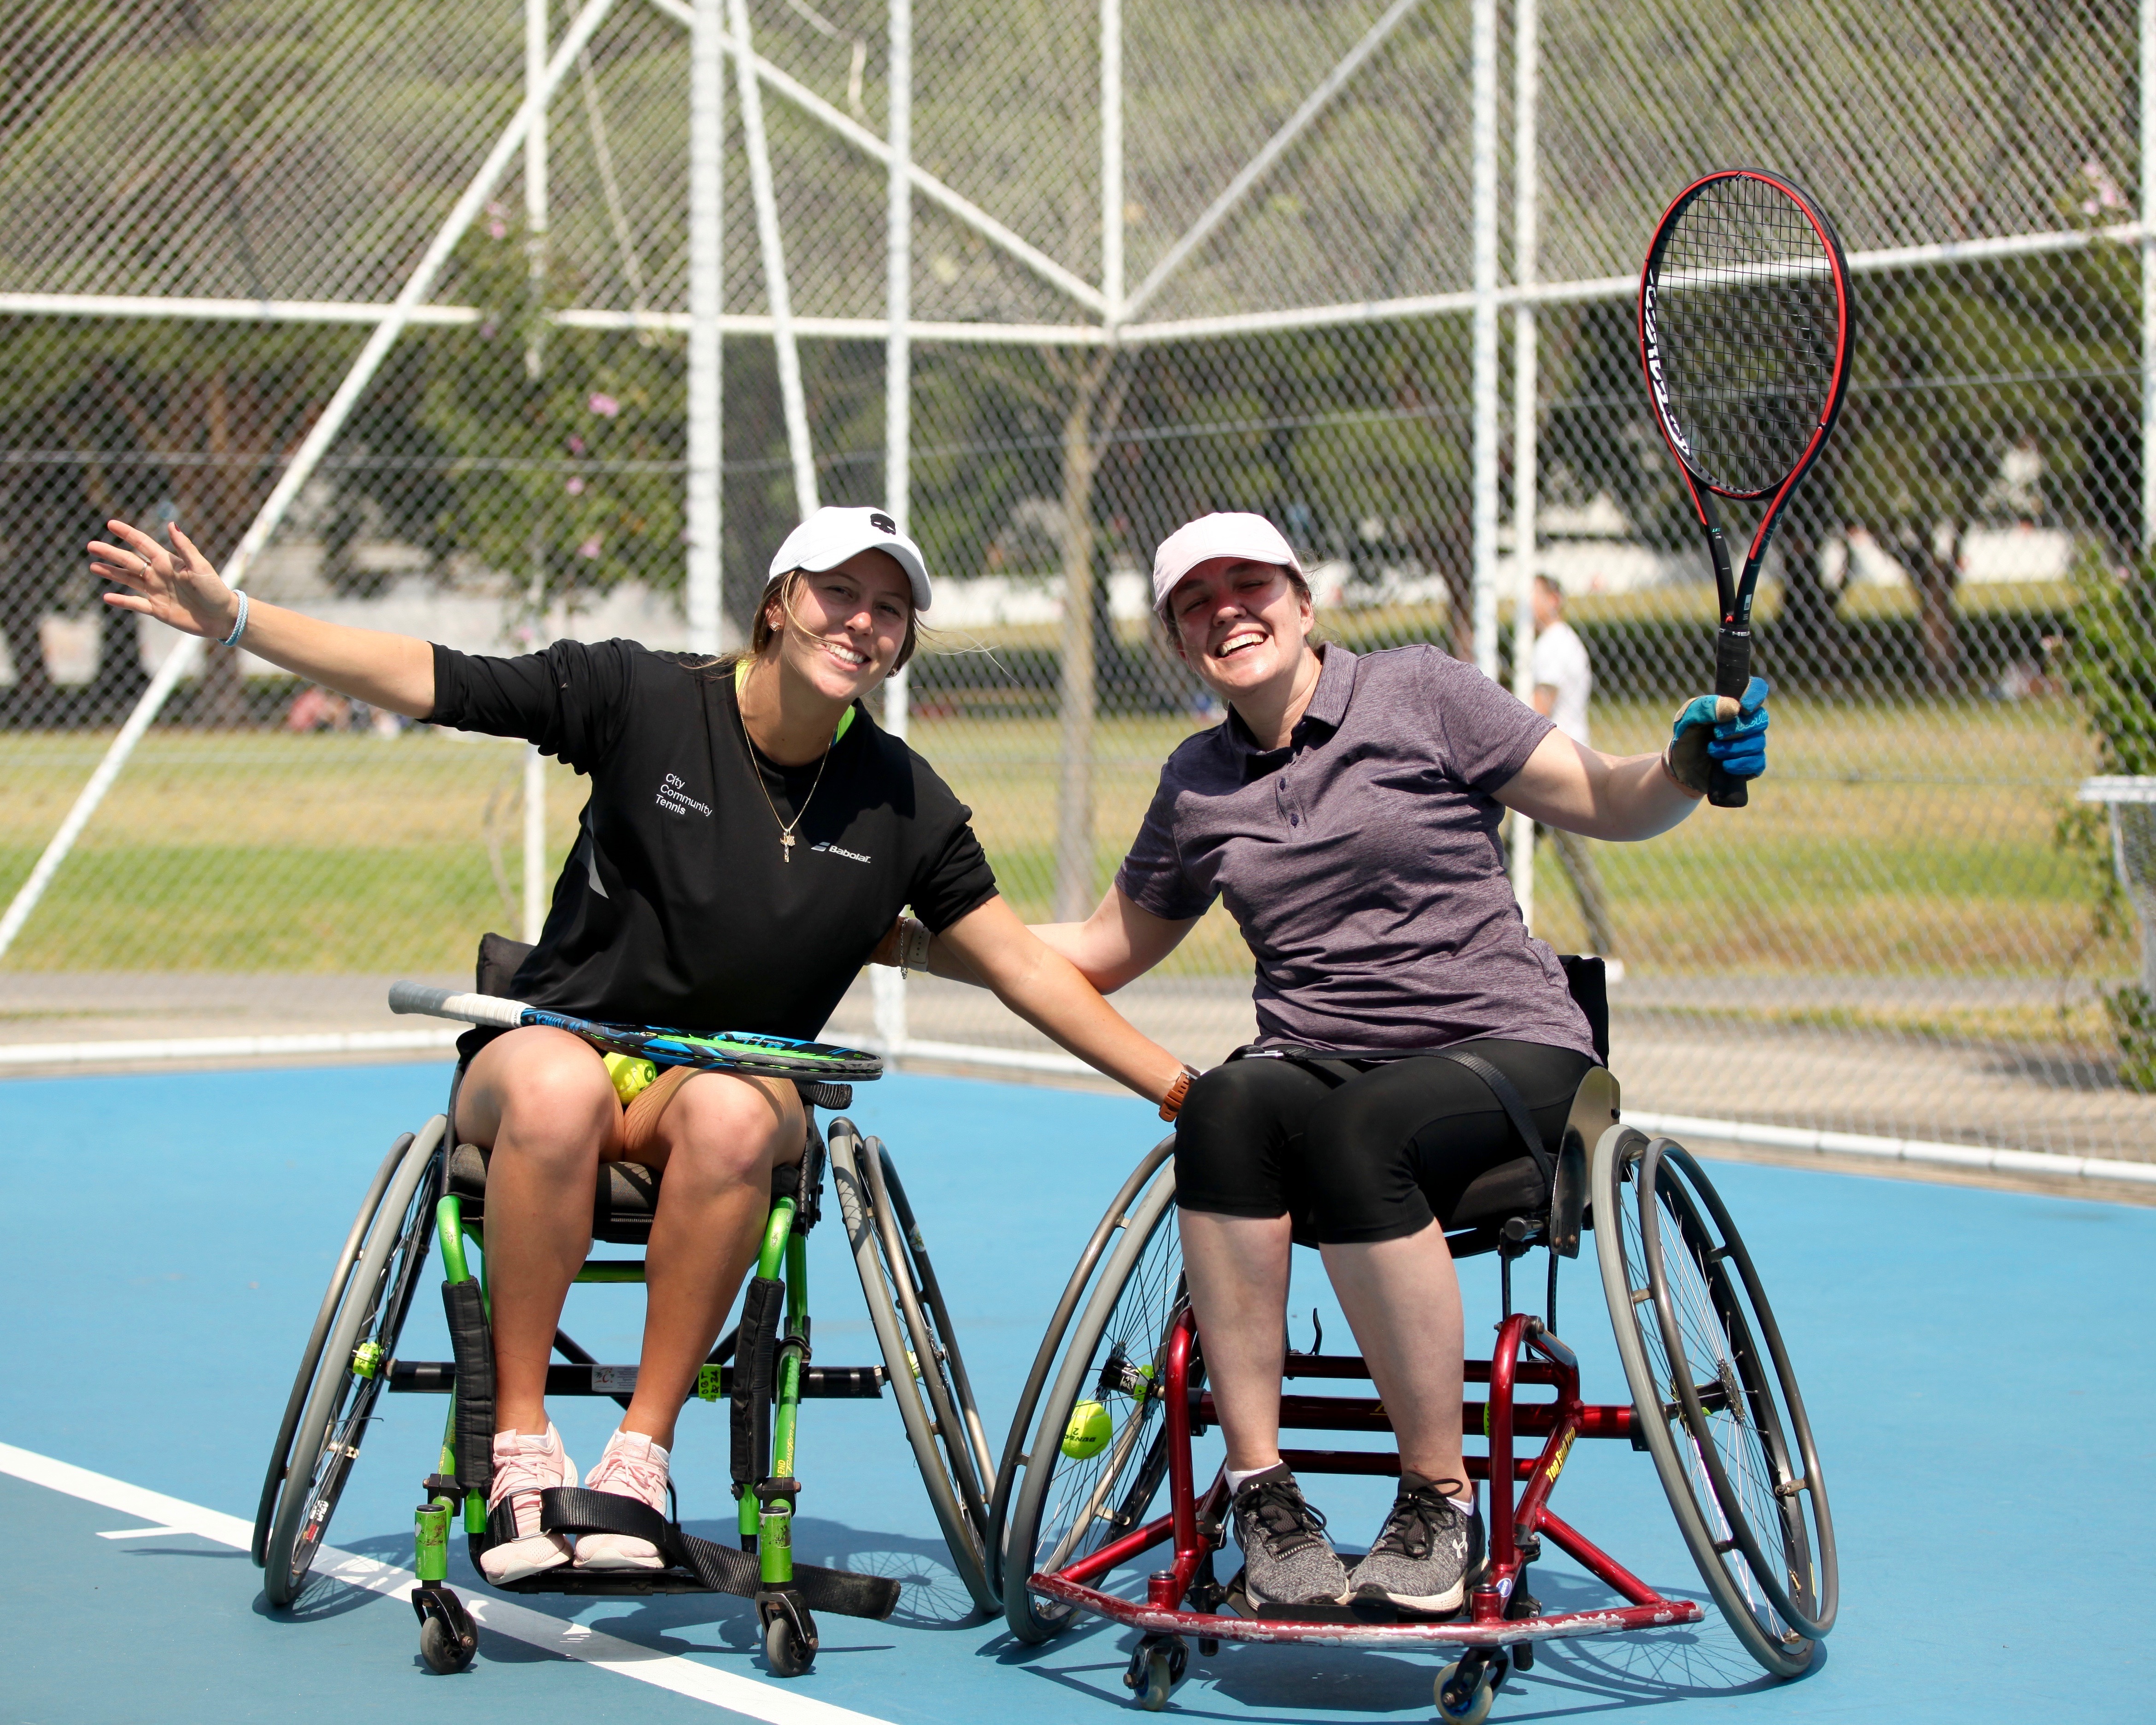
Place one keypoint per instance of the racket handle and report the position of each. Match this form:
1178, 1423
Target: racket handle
1733, 675
449, 1003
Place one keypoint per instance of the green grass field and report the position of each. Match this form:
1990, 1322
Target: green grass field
1886, 841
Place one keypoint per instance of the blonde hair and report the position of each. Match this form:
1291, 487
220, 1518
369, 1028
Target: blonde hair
782, 588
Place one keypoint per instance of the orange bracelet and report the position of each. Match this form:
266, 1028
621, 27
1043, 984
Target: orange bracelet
1171, 1105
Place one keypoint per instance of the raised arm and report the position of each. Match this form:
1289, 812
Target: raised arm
1043, 988
1568, 784
180, 588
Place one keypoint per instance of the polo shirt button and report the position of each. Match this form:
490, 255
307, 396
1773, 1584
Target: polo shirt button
1295, 820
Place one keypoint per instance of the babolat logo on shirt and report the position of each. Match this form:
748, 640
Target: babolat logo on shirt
831, 850
674, 798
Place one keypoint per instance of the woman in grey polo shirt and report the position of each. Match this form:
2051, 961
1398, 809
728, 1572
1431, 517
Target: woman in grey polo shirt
1346, 810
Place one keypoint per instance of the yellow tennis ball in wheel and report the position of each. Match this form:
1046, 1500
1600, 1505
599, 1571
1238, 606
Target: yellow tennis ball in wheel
1088, 1432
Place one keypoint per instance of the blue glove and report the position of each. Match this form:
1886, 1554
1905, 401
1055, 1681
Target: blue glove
1738, 746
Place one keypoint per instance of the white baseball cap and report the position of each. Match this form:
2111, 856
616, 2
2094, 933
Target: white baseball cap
1248, 538
831, 536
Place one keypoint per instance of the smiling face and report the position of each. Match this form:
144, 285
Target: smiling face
1242, 626
847, 626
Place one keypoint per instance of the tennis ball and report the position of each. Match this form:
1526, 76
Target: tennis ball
630, 1075
1088, 1432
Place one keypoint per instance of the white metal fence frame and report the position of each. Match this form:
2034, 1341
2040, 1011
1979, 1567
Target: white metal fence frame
719, 31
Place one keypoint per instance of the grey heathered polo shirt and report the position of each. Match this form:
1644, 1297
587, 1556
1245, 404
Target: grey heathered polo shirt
1362, 861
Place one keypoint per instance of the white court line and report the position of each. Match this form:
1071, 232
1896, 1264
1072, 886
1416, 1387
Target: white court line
140, 1532
551, 1635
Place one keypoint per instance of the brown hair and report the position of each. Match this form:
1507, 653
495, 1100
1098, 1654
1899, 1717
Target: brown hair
782, 588
1295, 579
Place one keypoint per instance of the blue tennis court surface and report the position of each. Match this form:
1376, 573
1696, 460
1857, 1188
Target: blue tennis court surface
1978, 1366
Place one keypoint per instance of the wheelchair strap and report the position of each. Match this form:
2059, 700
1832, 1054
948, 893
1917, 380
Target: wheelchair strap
721, 1569
754, 1348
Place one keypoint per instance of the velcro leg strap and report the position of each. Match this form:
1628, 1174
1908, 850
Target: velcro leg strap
753, 1351
572, 1509
474, 1348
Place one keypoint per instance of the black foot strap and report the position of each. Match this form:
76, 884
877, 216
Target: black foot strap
719, 1568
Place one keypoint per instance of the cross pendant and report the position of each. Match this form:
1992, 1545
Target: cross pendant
787, 840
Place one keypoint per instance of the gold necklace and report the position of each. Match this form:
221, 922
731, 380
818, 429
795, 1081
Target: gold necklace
785, 827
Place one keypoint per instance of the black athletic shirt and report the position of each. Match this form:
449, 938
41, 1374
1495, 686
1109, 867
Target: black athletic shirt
676, 906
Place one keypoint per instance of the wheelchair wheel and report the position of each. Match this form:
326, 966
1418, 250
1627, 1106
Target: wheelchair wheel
913, 1328
1717, 1403
341, 1378
1099, 1451
1105, 1233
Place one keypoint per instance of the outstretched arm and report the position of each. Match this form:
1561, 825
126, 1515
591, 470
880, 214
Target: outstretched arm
179, 587
1117, 942
1044, 987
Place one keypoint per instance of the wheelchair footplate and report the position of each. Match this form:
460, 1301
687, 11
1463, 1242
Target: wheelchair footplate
1499, 1623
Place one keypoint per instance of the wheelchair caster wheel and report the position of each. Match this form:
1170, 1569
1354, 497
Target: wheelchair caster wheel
783, 1651
1466, 1689
445, 1652
448, 1638
1154, 1670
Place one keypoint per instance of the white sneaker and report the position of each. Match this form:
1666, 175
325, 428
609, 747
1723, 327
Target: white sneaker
525, 1464
633, 1467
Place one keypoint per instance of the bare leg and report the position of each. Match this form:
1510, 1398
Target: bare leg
1402, 1298
720, 1138
1238, 1271
541, 1098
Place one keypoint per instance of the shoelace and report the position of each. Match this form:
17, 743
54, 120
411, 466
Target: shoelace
1411, 1529
1279, 1507
644, 1479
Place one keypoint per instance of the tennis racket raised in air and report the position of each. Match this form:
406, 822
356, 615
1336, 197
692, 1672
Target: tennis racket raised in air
746, 1051
1745, 332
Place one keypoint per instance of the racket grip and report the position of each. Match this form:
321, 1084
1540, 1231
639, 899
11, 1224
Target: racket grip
450, 1003
1733, 675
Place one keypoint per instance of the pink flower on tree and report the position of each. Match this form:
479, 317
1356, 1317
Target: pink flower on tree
590, 547
575, 487
575, 445
605, 406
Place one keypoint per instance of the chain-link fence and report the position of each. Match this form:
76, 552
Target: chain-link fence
460, 320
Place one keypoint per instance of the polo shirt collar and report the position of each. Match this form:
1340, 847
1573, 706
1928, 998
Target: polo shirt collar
1328, 706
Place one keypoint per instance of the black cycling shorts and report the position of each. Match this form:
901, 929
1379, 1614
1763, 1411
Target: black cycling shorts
1372, 1159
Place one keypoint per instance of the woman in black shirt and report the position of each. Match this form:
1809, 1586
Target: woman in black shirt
751, 835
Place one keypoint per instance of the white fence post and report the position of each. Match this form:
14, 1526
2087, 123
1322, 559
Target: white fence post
1526, 188
885, 982
1484, 592
706, 500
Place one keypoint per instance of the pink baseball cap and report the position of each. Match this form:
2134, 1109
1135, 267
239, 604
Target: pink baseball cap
1248, 538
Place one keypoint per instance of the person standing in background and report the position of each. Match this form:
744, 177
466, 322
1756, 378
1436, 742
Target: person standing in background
1563, 679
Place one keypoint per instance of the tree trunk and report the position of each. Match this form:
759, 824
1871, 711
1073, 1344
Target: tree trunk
1940, 639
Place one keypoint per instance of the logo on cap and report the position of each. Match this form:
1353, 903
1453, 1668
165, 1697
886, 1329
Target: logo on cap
884, 524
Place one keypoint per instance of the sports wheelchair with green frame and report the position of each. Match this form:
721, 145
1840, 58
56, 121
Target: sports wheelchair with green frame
430, 1189
1117, 1393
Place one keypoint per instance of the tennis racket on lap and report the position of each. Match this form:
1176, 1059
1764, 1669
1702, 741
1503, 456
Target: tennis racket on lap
1745, 333
746, 1051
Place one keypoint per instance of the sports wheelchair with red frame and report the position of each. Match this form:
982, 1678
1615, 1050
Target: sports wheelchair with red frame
1714, 1402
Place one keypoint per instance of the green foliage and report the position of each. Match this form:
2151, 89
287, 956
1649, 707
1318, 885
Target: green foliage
2111, 668
582, 431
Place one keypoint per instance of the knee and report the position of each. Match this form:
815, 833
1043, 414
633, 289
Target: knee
722, 1133
557, 1113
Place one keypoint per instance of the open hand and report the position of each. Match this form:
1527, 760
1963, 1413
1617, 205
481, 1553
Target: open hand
179, 587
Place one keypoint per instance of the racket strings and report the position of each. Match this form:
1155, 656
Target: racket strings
1749, 314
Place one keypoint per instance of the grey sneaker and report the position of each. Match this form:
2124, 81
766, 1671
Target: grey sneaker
1287, 1560
1425, 1556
